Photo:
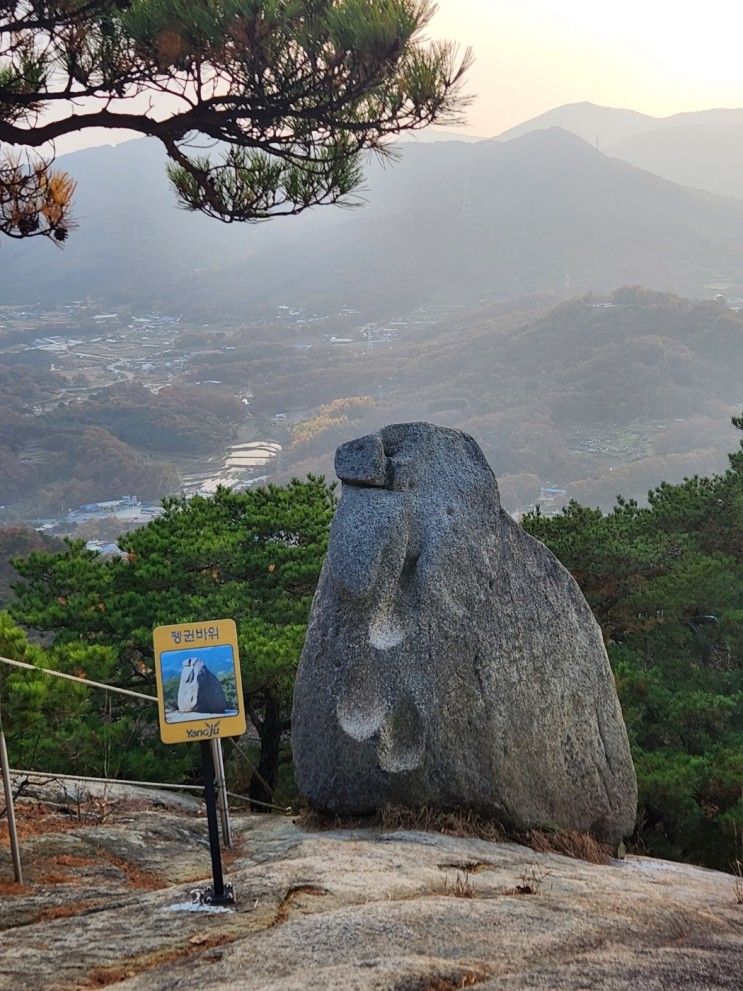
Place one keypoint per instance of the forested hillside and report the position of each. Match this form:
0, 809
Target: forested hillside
601, 396
597, 396
666, 584
58, 450
204, 557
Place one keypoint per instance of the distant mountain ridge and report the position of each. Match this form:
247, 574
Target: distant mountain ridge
451, 222
609, 125
707, 156
588, 120
703, 149
542, 213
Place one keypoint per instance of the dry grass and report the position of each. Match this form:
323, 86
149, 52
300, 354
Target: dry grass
531, 881
462, 887
468, 980
396, 817
320, 822
468, 866
36, 818
439, 982
102, 977
738, 883
465, 823
580, 846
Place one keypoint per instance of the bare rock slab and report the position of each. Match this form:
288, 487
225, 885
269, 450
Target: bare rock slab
368, 910
451, 661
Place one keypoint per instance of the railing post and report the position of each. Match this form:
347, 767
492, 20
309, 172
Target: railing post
10, 809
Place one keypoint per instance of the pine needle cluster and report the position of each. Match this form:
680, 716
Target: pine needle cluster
265, 107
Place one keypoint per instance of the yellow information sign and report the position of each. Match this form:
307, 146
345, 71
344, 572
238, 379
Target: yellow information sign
199, 690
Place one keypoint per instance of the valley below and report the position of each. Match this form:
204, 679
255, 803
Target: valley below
576, 313
584, 399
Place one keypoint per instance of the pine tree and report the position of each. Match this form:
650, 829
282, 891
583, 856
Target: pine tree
291, 93
666, 584
254, 557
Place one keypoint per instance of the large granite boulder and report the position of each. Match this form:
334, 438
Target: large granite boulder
200, 690
451, 661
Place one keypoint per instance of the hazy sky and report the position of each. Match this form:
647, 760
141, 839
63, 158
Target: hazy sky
656, 56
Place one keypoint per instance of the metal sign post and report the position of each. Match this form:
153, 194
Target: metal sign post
199, 694
10, 810
220, 893
221, 784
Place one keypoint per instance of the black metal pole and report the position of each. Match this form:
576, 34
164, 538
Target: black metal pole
207, 770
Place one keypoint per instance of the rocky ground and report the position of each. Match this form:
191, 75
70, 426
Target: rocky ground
108, 887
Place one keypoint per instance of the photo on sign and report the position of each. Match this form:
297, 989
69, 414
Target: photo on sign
199, 683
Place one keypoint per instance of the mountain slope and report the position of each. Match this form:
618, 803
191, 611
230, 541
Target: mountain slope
450, 222
588, 120
131, 237
526, 216
134, 245
708, 156
600, 395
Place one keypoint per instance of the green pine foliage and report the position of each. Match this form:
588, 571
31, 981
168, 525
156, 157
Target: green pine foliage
59, 726
252, 556
666, 584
